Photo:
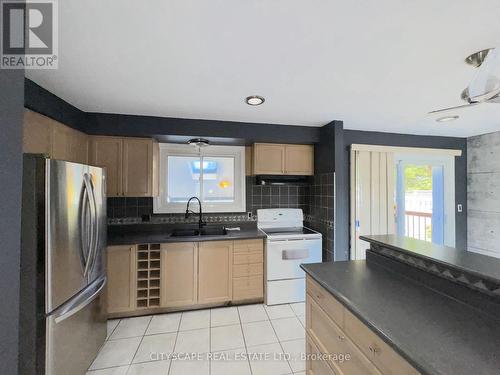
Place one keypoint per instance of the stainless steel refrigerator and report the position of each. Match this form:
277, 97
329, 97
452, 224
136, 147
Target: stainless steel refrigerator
63, 269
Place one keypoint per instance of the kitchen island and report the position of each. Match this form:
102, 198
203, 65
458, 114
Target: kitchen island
410, 308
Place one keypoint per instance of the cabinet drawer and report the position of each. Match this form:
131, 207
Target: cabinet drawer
332, 340
330, 305
248, 246
248, 287
385, 358
314, 364
248, 258
243, 270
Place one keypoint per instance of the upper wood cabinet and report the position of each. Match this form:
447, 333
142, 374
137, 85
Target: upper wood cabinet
179, 274
121, 273
131, 164
299, 159
215, 265
279, 159
268, 158
43, 135
106, 152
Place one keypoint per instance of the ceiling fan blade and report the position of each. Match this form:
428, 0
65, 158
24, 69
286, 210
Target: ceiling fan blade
454, 108
486, 83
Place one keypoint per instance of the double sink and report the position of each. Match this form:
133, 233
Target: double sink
207, 231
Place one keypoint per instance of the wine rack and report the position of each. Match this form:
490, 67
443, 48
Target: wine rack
148, 275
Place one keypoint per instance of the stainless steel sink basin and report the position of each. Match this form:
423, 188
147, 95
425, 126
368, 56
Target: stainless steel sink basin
210, 231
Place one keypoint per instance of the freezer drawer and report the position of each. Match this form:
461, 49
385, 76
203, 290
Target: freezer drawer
76, 333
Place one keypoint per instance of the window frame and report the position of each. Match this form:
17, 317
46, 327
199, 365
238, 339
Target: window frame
160, 204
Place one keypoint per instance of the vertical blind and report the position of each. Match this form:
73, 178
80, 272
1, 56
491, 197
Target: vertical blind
372, 197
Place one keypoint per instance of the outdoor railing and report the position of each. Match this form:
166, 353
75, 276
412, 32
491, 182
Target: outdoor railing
418, 225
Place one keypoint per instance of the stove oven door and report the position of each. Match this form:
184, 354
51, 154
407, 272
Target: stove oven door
286, 281
283, 258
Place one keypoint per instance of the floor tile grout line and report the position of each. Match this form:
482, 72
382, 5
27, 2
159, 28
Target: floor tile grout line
112, 331
175, 343
279, 342
244, 341
140, 343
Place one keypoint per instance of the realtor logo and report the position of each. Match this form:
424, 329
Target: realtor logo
29, 34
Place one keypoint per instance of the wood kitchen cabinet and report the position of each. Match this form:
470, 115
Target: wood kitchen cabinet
121, 273
332, 329
131, 164
248, 270
106, 152
179, 274
215, 265
43, 135
283, 159
268, 158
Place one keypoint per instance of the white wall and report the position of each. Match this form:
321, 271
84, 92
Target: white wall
483, 194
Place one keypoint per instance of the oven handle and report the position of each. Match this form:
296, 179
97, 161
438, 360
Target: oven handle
295, 254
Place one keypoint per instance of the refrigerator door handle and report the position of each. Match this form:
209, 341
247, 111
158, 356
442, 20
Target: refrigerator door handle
84, 225
93, 217
80, 301
95, 227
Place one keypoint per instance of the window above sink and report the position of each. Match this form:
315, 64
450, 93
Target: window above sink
215, 174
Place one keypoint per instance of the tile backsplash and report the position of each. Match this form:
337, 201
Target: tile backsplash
316, 198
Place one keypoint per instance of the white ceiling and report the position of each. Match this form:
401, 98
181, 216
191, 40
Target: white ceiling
376, 65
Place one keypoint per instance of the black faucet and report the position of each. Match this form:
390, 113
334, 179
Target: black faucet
201, 223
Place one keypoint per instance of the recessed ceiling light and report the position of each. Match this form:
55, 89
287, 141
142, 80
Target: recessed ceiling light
447, 118
255, 100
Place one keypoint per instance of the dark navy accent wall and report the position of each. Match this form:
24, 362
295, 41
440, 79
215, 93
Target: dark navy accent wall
11, 117
42, 101
242, 132
405, 140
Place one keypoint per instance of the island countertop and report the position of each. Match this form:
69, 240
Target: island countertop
435, 333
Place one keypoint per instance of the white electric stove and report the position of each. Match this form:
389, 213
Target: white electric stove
288, 245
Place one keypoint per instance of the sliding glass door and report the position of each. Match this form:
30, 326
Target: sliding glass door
425, 196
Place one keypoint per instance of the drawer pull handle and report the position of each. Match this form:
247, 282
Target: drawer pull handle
374, 349
341, 338
319, 295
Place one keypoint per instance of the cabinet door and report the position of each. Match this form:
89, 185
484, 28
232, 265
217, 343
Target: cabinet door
179, 274
78, 147
299, 160
106, 152
138, 167
268, 158
121, 272
215, 271
61, 139
37, 133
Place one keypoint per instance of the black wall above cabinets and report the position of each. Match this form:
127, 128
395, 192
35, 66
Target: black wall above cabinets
239, 132
42, 101
405, 140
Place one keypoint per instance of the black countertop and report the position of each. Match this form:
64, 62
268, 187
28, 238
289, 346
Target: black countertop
155, 233
481, 265
435, 333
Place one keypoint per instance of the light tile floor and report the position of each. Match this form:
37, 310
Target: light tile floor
243, 340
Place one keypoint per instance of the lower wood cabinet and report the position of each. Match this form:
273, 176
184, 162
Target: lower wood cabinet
317, 365
179, 274
333, 330
121, 272
215, 271
148, 277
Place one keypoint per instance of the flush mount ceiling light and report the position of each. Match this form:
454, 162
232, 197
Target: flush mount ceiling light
199, 142
254, 100
447, 118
